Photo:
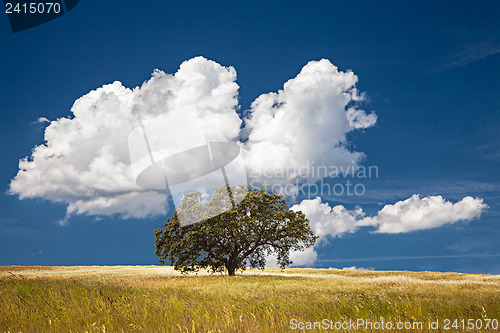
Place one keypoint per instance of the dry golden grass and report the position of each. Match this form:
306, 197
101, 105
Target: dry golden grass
159, 299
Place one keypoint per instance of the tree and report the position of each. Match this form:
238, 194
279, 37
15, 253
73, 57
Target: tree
242, 236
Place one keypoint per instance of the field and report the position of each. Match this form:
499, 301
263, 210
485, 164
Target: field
158, 299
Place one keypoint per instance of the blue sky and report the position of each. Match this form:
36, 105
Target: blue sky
430, 71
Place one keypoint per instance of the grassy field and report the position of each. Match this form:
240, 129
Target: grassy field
158, 299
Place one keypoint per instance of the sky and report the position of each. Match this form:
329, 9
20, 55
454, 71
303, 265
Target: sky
407, 91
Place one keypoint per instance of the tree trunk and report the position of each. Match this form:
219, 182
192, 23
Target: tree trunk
231, 262
231, 271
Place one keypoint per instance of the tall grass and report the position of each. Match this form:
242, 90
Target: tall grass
156, 299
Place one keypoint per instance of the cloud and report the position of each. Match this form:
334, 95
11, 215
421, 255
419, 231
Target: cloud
326, 221
404, 216
429, 212
307, 121
399, 258
41, 120
305, 258
473, 52
85, 161
10, 229
354, 268
299, 258
412, 214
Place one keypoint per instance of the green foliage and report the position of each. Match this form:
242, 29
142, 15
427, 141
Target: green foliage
242, 236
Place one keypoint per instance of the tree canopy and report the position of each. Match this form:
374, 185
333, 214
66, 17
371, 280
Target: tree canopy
240, 237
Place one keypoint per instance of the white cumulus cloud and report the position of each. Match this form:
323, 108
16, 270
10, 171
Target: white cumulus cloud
42, 120
299, 258
412, 214
84, 161
328, 221
417, 213
304, 258
325, 221
354, 268
305, 122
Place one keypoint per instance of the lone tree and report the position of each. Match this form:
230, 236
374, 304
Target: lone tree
242, 236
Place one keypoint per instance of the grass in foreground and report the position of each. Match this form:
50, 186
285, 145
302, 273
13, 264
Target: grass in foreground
158, 299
